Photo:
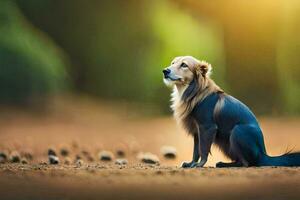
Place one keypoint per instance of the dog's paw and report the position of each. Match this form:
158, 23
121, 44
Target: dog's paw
200, 164
188, 164
220, 165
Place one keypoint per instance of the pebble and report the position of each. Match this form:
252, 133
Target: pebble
169, 152
77, 157
53, 160
148, 158
51, 152
121, 162
105, 155
14, 157
64, 152
24, 161
120, 153
79, 162
2, 160
67, 161
3, 157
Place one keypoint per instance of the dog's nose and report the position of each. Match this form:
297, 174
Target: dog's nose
166, 71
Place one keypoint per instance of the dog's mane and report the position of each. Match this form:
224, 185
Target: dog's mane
184, 102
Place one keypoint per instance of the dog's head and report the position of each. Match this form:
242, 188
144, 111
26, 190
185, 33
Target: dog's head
184, 69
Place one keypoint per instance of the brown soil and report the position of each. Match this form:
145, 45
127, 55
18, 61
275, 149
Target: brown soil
88, 126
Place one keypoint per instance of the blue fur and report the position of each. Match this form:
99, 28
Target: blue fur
235, 130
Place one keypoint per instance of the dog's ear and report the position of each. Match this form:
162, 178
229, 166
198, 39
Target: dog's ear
204, 69
190, 91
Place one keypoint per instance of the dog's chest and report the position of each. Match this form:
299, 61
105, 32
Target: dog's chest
190, 125
183, 118
201, 116
194, 115
203, 111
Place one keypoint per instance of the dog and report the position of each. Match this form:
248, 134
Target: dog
211, 116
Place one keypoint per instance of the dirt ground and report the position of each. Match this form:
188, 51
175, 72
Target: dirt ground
91, 127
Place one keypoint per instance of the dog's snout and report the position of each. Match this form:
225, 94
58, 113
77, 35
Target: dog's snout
166, 71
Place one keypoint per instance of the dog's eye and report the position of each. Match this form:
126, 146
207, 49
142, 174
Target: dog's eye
183, 65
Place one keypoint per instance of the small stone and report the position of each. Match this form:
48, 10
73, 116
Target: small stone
120, 153
169, 152
24, 161
148, 158
105, 155
2, 160
159, 172
51, 152
64, 152
79, 162
121, 162
53, 160
15, 157
67, 161
78, 157
3, 157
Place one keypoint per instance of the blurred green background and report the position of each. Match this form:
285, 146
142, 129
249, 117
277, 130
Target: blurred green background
116, 49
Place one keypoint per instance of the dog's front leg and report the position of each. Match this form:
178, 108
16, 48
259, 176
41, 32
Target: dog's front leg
206, 138
195, 154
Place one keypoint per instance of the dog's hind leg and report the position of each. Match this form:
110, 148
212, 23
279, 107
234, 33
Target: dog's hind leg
247, 144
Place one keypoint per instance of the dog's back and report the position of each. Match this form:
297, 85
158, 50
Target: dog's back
232, 112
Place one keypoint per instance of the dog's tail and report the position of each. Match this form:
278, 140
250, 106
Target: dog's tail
285, 160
